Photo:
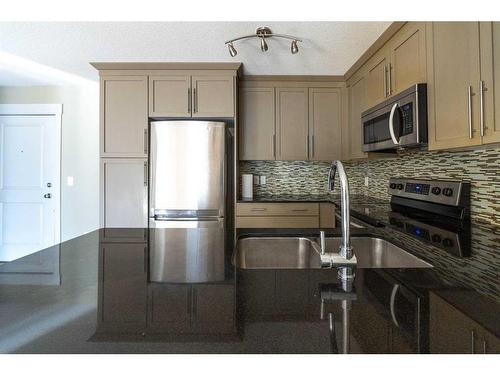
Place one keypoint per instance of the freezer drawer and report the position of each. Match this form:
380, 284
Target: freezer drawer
187, 251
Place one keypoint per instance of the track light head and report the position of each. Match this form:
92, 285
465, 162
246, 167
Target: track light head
232, 50
294, 47
263, 45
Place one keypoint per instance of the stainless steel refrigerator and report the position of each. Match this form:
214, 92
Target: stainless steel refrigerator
187, 201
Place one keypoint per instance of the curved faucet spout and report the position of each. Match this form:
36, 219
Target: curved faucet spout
345, 247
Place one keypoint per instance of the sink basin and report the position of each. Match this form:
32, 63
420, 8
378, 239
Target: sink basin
276, 252
303, 253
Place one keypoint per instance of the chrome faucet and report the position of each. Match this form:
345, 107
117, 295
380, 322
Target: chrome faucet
346, 255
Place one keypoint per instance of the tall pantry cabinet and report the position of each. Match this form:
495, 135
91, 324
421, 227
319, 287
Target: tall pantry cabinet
130, 95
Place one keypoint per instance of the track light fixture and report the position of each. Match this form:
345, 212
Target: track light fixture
262, 33
232, 50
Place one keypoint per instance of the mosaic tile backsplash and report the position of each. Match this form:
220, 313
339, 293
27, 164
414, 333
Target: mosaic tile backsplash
480, 167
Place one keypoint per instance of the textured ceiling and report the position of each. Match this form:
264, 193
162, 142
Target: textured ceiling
328, 48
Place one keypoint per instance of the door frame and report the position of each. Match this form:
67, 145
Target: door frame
55, 110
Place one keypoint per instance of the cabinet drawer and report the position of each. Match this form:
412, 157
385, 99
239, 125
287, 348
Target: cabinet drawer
277, 209
277, 221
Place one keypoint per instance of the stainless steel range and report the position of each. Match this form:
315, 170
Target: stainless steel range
435, 211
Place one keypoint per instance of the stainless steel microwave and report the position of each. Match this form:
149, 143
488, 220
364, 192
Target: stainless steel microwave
400, 121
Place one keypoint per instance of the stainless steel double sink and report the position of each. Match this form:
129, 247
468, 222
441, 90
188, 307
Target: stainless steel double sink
303, 253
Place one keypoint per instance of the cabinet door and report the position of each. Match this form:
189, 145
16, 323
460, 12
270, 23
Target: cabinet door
354, 128
257, 124
408, 57
213, 96
122, 292
170, 96
124, 193
325, 123
124, 116
490, 74
326, 215
453, 63
170, 308
213, 308
292, 124
376, 79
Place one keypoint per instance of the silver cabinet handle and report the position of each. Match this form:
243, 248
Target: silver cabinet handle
189, 100
258, 209
195, 98
307, 146
393, 299
485, 349
274, 145
385, 81
391, 124
145, 174
481, 106
145, 141
473, 342
469, 109
390, 78
312, 146
300, 210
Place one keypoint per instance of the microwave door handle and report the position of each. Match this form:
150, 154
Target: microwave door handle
391, 124
393, 298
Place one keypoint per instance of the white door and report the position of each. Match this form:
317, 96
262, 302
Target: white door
29, 184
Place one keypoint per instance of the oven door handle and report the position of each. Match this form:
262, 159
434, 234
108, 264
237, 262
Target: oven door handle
395, 289
391, 123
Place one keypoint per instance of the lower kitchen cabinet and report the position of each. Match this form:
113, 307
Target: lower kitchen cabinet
124, 193
122, 287
285, 215
453, 332
191, 309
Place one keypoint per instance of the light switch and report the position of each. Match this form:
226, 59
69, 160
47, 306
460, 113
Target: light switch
263, 180
367, 181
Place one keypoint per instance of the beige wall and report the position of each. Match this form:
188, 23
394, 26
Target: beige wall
80, 149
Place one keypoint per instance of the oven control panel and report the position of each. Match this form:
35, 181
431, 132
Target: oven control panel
436, 191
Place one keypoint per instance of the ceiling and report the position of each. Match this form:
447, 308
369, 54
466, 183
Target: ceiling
328, 48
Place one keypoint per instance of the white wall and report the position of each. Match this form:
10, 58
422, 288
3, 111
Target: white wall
80, 149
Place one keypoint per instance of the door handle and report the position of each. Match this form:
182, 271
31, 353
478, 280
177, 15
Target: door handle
189, 100
473, 342
389, 72
145, 141
393, 299
274, 146
391, 124
145, 174
48, 196
195, 98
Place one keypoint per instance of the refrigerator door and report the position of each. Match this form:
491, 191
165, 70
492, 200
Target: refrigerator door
187, 169
187, 251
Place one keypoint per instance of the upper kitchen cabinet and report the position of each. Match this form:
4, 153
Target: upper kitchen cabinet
325, 123
257, 124
292, 126
353, 129
453, 84
377, 88
124, 116
213, 96
170, 96
489, 89
408, 64
204, 96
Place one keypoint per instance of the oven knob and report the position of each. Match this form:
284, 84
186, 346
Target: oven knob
400, 186
448, 192
392, 185
436, 190
436, 238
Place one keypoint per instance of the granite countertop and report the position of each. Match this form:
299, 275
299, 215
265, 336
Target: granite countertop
100, 300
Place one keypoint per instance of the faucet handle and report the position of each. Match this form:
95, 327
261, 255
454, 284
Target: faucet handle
322, 241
